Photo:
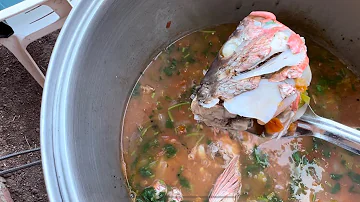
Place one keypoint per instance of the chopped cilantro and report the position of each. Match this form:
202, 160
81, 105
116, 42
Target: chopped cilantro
169, 124
149, 195
260, 162
296, 157
150, 144
260, 158
354, 189
170, 150
354, 177
183, 181
316, 143
136, 91
170, 69
336, 176
336, 188
319, 88
191, 60
326, 152
272, 197
145, 171
167, 98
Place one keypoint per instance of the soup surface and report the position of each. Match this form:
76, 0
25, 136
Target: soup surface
161, 140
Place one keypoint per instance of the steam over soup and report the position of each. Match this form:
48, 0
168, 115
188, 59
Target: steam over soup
170, 157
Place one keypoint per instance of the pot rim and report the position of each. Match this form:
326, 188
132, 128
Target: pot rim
55, 163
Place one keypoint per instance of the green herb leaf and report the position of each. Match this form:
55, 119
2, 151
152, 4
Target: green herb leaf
191, 60
149, 195
252, 168
316, 143
183, 181
169, 124
272, 197
168, 71
260, 158
296, 157
319, 88
336, 176
167, 98
354, 177
354, 189
173, 62
145, 171
326, 152
335, 188
136, 91
150, 144
170, 150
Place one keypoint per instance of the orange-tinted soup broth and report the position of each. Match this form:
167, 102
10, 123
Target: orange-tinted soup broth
161, 140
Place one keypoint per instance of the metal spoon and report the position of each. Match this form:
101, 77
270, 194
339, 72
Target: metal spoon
311, 124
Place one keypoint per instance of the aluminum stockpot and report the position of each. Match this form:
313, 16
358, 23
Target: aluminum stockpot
99, 55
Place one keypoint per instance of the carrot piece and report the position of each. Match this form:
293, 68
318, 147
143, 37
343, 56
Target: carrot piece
274, 126
300, 85
292, 127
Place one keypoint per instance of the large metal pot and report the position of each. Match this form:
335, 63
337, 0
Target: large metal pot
100, 53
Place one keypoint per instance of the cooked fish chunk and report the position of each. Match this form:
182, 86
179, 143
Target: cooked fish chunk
254, 76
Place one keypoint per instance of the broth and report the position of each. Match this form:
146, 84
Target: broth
161, 140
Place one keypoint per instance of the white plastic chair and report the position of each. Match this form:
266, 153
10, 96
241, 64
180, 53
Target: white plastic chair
31, 20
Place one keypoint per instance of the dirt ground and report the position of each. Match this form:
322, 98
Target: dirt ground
20, 100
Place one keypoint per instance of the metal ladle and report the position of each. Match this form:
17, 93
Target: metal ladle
311, 124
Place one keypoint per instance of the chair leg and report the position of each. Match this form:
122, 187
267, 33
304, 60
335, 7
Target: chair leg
13, 44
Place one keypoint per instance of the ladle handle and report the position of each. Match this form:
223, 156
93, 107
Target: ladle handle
334, 132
